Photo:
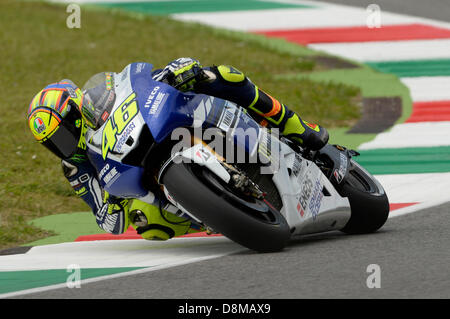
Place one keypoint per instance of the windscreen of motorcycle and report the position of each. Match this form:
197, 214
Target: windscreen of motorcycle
99, 98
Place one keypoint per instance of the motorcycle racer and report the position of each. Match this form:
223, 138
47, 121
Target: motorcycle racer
59, 116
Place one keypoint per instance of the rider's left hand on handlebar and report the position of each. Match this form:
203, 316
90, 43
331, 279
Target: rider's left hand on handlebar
181, 73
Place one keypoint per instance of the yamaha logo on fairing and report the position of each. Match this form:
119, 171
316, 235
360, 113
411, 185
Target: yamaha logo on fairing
159, 98
111, 174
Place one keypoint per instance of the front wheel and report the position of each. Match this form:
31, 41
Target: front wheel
368, 201
250, 222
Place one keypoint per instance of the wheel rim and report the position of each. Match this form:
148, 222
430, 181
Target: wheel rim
362, 180
256, 208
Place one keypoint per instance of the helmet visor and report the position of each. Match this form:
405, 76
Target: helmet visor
64, 141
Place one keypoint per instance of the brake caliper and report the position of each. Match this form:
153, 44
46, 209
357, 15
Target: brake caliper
245, 185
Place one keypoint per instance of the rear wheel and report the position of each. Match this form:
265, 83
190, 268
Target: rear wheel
368, 201
251, 222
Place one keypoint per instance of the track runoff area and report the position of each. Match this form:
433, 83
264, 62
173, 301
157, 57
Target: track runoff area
411, 159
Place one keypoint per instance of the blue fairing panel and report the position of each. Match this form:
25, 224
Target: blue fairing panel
163, 107
116, 178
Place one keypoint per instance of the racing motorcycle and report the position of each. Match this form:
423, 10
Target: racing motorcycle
262, 195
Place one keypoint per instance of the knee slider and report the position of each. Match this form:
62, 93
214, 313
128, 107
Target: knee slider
155, 232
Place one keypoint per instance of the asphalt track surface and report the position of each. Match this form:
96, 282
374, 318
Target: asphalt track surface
412, 251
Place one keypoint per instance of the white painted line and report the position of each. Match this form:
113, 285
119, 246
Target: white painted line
416, 19
388, 50
276, 19
416, 188
118, 253
435, 88
421, 134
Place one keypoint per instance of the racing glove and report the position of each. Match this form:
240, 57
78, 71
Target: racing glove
113, 215
182, 74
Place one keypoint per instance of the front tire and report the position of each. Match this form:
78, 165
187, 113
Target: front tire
252, 223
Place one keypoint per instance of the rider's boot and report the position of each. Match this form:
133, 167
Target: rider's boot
154, 223
231, 84
306, 134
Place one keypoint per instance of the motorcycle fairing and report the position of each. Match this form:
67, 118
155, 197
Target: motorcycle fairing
163, 109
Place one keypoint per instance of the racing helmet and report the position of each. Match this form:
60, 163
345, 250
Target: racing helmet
54, 117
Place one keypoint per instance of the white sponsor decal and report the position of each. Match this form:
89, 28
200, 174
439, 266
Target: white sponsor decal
125, 136
159, 98
139, 67
202, 111
111, 174
227, 119
103, 171
151, 96
316, 199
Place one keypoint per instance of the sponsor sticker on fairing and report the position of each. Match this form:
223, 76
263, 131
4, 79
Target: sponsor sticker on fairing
203, 154
158, 100
103, 171
139, 68
340, 173
311, 195
124, 137
305, 195
151, 96
297, 165
110, 175
227, 118
316, 199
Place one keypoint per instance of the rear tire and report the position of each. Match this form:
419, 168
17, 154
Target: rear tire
368, 201
254, 224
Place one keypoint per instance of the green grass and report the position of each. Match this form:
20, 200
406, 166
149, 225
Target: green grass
37, 49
